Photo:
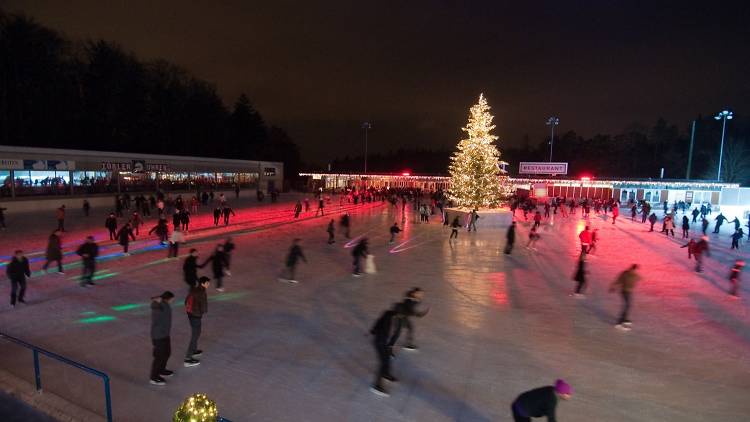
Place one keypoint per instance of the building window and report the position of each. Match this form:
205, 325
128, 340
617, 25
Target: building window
5, 183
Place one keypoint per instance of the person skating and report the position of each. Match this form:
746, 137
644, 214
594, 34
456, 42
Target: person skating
719, 221
736, 236
185, 220
124, 236
331, 230
176, 220
537, 220
217, 215
297, 209
88, 252
580, 276
111, 224
652, 220
161, 230
625, 283
161, 326
307, 205
60, 215
86, 207
695, 213
615, 212
734, 278
359, 252
136, 221
594, 240
190, 268
346, 222
292, 258
54, 252
633, 212
226, 211
540, 402
228, 250
690, 247
17, 271
701, 248
386, 332
196, 305
473, 217
510, 238
175, 239
585, 238
409, 306
394, 231
454, 228
668, 225
685, 227
704, 225
218, 264
321, 205
533, 237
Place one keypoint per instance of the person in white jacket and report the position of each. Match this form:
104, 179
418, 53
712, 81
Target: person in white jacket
174, 242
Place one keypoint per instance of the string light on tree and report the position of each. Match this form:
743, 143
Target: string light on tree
197, 408
475, 167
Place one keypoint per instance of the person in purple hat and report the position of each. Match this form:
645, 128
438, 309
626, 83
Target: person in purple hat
540, 402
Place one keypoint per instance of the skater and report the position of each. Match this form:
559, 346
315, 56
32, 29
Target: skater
2, 218
295, 254
652, 219
411, 301
161, 326
386, 332
297, 209
454, 228
736, 236
228, 249
585, 238
54, 252
185, 220
685, 227
615, 212
540, 402
176, 220
719, 221
690, 248
734, 278
394, 231
533, 237
321, 204
345, 224
237, 191
700, 248
217, 215
161, 230
137, 221
473, 217
633, 212
124, 236
196, 305
111, 224
190, 268
625, 282
218, 262
331, 230
580, 276
695, 214
225, 212
174, 243
510, 238
704, 225
86, 207
88, 253
668, 225
359, 251
61, 218
594, 240
17, 271
307, 205
537, 220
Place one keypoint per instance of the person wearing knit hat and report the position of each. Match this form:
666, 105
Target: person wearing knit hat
540, 402
161, 325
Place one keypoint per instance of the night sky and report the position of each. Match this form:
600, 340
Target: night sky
413, 68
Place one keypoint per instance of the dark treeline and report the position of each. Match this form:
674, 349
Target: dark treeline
637, 152
95, 95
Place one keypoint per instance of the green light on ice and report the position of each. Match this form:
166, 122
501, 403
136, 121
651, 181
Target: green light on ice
128, 306
97, 319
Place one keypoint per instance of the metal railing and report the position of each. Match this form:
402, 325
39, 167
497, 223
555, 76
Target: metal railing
38, 375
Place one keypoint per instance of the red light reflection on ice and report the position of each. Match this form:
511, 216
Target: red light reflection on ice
498, 293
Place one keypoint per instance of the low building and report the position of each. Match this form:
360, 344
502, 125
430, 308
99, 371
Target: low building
38, 172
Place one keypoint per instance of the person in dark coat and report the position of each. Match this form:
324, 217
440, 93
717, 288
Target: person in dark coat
124, 236
652, 219
111, 224
540, 402
228, 249
190, 268
736, 237
88, 253
161, 230
719, 221
17, 271
700, 248
510, 238
218, 261
331, 230
695, 214
185, 219
161, 326
394, 231
580, 275
734, 278
217, 215
359, 251
386, 332
409, 307
297, 209
176, 220
61, 218
345, 223
225, 212
685, 227
54, 251
294, 255
704, 225
86, 207
196, 305
136, 221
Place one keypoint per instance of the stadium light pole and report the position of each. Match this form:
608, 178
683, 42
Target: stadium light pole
552, 122
723, 116
366, 126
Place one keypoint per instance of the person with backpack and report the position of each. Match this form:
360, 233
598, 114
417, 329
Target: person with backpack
161, 326
196, 306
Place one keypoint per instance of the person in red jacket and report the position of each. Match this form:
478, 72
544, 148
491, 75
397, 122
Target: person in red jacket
615, 212
585, 237
196, 305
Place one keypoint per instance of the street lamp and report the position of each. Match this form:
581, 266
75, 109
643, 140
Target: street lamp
552, 122
366, 126
723, 116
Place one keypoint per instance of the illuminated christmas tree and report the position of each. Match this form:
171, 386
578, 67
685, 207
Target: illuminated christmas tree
475, 167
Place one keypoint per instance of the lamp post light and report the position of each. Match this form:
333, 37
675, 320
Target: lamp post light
366, 126
723, 116
552, 122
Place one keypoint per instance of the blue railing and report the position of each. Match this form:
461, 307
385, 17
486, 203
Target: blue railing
38, 375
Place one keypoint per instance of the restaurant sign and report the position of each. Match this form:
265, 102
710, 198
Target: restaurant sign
542, 168
135, 166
